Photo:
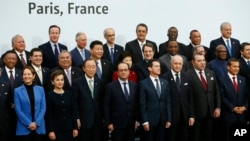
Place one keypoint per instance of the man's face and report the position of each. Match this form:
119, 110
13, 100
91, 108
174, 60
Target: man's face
148, 53
10, 60
37, 58
90, 68
233, 68
221, 52
195, 38
19, 44
81, 41
199, 62
65, 60
176, 64
172, 48
54, 34
155, 69
172, 34
97, 51
123, 71
141, 33
246, 52
226, 31
110, 36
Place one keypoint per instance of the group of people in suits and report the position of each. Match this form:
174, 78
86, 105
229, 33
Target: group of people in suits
175, 93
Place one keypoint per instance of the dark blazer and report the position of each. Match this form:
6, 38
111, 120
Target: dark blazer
90, 110
49, 60
107, 71
190, 49
45, 72
117, 110
163, 49
205, 102
180, 101
117, 52
142, 70
219, 67
244, 70
19, 64
77, 60
134, 48
230, 98
5, 108
153, 109
235, 45
18, 78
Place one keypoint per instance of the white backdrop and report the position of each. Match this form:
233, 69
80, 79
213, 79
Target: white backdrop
19, 17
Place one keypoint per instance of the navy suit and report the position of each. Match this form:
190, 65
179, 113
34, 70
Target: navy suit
120, 112
107, 71
163, 49
17, 76
49, 60
134, 48
117, 52
19, 64
219, 67
235, 46
141, 69
244, 70
77, 58
45, 72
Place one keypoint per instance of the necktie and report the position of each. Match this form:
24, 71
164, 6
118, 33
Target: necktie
229, 48
235, 84
178, 82
12, 80
22, 60
39, 73
56, 53
82, 54
158, 88
125, 91
112, 55
69, 76
203, 81
248, 64
98, 71
91, 87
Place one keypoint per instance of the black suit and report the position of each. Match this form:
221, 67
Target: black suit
141, 69
107, 71
45, 72
117, 52
134, 48
190, 49
90, 110
205, 102
49, 60
163, 49
19, 64
120, 112
181, 107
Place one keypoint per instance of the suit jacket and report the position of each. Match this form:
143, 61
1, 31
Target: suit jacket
180, 101
134, 48
235, 46
142, 70
107, 71
117, 110
117, 52
205, 102
166, 65
49, 60
231, 98
19, 64
90, 110
244, 70
163, 49
5, 107
22, 108
154, 109
219, 67
45, 72
17, 76
190, 49
77, 60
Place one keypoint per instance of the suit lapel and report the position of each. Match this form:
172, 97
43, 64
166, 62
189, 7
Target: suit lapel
24, 93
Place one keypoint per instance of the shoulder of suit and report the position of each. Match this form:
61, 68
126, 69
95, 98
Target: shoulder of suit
119, 46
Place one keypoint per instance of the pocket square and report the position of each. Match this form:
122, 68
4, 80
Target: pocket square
185, 84
212, 78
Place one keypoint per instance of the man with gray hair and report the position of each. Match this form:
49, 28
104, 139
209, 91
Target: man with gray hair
80, 53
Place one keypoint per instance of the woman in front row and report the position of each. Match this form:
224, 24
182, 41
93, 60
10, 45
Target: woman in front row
30, 107
61, 118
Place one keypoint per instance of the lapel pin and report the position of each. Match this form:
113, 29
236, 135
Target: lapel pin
212, 78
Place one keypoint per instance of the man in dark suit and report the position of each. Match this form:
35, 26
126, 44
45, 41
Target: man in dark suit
111, 50
18, 45
206, 98
36, 58
195, 38
232, 44
155, 103
245, 61
120, 106
104, 68
80, 53
87, 91
172, 36
142, 67
182, 111
135, 46
52, 48
234, 95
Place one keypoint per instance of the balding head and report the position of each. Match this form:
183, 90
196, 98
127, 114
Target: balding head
176, 63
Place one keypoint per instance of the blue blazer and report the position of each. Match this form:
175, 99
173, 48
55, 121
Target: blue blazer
219, 67
18, 78
23, 110
117, 52
77, 58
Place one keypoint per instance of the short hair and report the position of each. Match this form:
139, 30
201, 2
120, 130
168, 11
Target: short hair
122, 63
176, 56
124, 55
243, 45
172, 27
196, 54
224, 24
150, 62
105, 30
35, 50
79, 34
95, 42
56, 26
196, 47
64, 51
192, 31
143, 25
7, 52
13, 39
56, 73
229, 62
29, 68
85, 61
148, 45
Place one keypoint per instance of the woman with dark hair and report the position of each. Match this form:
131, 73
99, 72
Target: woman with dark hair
61, 118
30, 107
126, 57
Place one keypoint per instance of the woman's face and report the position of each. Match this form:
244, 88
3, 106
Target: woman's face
58, 81
128, 60
28, 77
